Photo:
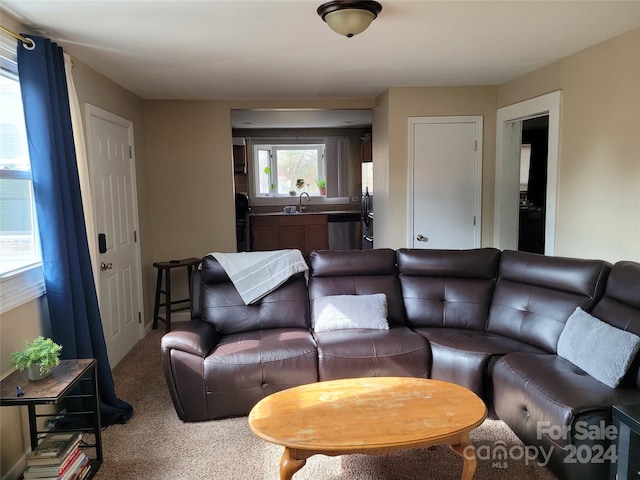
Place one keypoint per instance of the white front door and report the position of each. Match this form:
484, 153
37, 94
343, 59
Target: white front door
445, 182
113, 177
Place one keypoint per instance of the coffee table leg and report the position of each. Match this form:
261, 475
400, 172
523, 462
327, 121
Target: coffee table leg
289, 464
468, 453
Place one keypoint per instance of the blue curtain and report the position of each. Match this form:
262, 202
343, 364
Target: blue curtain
71, 293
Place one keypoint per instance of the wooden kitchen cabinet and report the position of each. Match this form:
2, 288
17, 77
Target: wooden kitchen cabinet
240, 159
316, 237
366, 154
264, 233
305, 232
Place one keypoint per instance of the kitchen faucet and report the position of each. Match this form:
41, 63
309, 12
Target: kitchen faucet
300, 207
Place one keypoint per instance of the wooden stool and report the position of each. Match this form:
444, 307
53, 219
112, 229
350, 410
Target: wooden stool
164, 268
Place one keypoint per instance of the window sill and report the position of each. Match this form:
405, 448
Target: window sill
21, 286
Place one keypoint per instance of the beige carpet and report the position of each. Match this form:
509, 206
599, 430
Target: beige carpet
156, 445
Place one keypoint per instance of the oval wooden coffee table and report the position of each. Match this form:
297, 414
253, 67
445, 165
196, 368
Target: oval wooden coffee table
373, 416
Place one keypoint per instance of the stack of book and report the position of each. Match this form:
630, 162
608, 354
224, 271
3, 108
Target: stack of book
58, 457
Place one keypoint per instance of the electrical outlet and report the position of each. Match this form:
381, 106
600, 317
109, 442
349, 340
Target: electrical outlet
354, 199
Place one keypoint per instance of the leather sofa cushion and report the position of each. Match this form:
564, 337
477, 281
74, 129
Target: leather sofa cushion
257, 364
466, 357
357, 272
447, 288
536, 294
544, 390
222, 306
349, 263
549, 404
476, 263
620, 307
353, 353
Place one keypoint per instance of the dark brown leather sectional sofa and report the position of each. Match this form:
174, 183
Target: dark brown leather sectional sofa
484, 319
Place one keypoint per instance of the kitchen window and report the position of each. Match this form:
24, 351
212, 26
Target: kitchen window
282, 170
20, 259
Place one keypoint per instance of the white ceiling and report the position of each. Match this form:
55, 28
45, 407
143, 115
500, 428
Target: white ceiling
266, 49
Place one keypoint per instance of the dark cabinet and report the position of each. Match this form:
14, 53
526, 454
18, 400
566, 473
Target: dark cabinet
265, 234
366, 154
304, 232
240, 159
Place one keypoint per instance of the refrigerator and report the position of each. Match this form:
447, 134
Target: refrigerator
367, 205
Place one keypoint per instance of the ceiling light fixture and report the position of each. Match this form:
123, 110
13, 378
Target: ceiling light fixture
349, 17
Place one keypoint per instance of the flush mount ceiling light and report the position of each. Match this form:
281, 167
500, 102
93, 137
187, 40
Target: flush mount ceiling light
349, 17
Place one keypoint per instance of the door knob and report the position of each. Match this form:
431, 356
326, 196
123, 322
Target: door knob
422, 238
105, 266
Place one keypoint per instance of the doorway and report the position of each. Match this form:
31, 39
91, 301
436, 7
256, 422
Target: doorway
509, 130
533, 184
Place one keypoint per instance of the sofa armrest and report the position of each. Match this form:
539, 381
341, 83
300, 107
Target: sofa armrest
184, 350
194, 337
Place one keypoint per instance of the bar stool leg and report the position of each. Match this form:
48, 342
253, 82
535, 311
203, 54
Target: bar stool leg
168, 300
189, 271
156, 307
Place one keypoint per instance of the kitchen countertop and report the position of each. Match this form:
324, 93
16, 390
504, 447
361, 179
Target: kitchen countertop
312, 212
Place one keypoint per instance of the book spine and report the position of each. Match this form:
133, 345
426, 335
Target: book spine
69, 461
70, 474
46, 471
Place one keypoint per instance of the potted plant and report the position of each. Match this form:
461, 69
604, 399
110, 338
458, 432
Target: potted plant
322, 186
273, 189
39, 356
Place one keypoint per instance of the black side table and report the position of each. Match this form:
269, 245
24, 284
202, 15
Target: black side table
164, 270
52, 390
626, 419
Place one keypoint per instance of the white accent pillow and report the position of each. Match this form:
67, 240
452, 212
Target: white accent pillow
602, 350
338, 312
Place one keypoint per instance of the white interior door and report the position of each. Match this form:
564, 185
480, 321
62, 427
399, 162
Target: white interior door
445, 182
113, 176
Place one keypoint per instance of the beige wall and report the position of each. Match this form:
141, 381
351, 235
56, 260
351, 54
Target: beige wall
96, 89
190, 179
598, 211
380, 153
397, 105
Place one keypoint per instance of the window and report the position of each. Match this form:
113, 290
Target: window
20, 272
285, 170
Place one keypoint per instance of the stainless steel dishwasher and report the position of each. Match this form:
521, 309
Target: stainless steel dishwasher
344, 231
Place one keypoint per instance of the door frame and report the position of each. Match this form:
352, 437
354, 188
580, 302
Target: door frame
93, 111
477, 210
505, 227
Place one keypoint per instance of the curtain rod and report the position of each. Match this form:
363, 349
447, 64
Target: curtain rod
26, 41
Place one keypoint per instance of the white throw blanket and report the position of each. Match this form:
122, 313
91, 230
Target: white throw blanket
255, 274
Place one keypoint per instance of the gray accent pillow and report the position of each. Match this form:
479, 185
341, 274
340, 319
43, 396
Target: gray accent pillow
602, 350
338, 312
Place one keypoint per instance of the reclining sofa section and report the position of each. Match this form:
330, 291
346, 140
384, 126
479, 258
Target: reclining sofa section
484, 319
